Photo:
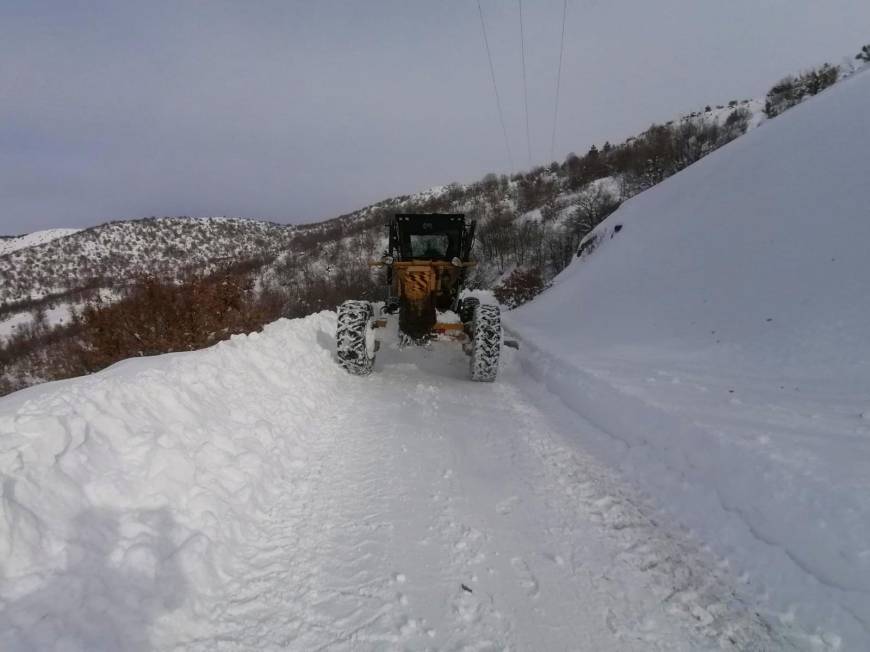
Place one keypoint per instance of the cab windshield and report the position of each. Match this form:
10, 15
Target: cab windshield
429, 246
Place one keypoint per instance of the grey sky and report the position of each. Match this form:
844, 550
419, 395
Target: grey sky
297, 111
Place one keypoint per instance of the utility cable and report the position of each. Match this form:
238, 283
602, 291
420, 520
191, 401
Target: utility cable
558, 82
495, 86
525, 86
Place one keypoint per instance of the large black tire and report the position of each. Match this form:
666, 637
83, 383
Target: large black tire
485, 344
467, 307
354, 337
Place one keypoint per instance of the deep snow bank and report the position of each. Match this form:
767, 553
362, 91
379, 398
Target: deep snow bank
756, 252
127, 492
720, 338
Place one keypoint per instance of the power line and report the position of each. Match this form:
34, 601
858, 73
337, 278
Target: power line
525, 87
495, 86
558, 82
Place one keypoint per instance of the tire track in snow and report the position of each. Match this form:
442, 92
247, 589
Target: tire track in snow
407, 510
538, 533
679, 572
500, 564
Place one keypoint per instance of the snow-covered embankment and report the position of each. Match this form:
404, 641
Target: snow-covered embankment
718, 338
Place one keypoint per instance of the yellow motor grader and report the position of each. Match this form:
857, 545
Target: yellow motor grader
427, 259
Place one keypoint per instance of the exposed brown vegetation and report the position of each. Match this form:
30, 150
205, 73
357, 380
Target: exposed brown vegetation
153, 317
159, 317
521, 286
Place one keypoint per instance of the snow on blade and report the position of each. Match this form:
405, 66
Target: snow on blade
715, 330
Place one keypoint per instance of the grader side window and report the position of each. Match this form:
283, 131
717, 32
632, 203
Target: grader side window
430, 246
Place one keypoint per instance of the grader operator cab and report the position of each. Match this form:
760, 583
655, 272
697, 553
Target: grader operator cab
426, 262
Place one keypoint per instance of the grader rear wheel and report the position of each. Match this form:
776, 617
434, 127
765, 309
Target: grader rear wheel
355, 338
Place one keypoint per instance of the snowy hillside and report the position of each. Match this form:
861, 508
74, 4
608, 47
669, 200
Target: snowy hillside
34, 266
716, 334
757, 252
14, 243
118, 251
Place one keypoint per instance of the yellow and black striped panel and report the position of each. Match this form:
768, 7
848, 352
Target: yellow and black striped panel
417, 282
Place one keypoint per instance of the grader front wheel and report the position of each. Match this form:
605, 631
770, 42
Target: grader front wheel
485, 343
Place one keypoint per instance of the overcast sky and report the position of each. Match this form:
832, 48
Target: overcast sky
297, 111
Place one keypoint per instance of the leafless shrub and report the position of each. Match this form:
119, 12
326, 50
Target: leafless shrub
521, 286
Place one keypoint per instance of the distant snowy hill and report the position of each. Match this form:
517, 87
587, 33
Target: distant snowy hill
716, 332
47, 263
14, 243
118, 251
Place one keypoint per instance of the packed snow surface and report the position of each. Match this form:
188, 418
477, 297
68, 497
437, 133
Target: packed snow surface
718, 338
8, 245
254, 496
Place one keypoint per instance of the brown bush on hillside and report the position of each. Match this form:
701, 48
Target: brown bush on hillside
157, 317
36, 353
521, 286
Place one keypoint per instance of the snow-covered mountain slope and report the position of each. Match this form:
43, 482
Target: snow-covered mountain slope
111, 254
725, 314
119, 251
748, 252
8, 245
253, 496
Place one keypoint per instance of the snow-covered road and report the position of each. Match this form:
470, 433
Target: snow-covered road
255, 497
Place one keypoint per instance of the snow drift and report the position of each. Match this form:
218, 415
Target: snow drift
97, 472
717, 334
